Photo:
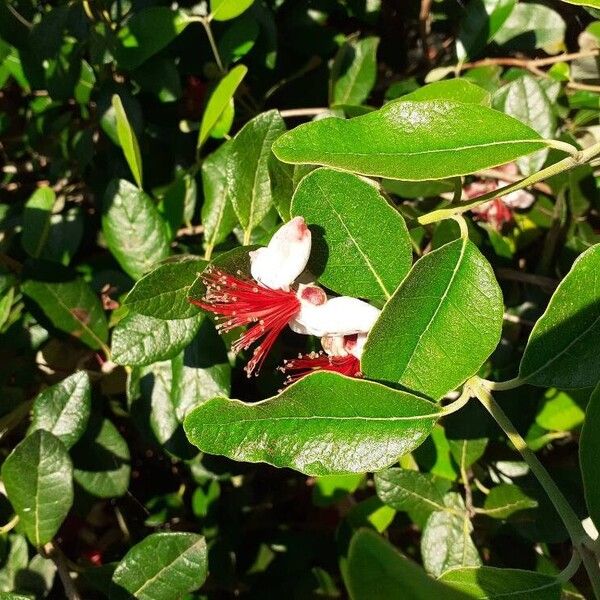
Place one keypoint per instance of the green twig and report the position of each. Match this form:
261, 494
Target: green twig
580, 158
579, 537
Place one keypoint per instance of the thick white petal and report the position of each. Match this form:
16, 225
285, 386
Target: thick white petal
278, 265
338, 316
358, 347
519, 199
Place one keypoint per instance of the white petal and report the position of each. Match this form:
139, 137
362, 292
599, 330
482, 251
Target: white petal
278, 265
358, 347
334, 345
338, 316
519, 199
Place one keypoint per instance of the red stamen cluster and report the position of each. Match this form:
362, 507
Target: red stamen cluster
497, 213
318, 361
239, 301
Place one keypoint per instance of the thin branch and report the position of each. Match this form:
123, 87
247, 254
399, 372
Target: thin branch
547, 283
425, 27
302, 112
502, 176
55, 554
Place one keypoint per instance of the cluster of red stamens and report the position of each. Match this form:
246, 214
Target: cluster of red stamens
319, 361
239, 301
497, 212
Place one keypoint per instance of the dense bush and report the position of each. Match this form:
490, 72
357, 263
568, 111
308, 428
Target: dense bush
431, 166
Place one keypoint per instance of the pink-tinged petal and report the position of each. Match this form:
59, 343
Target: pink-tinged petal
357, 345
240, 301
339, 316
278, 265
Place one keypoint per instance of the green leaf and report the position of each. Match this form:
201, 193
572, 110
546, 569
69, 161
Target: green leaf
330, 489
218, 216
72, 307
458, 90
412, 141
102, 460
545, 29
446, 542
128, 140
219, 101
146, 33
449, 301
354, 71
409, 490
491, 582
36, 220
562, 411
562, 350
350, 254
505, 500
525, 99
64, 408
319, 426
64, 236
467, 452
161, 78
140, 340
163, 293
377, 571
38, 477
238, 39
589, 450
162, 566
135, 232
15, 561
590, 3
249, 186
481, 22
224, 10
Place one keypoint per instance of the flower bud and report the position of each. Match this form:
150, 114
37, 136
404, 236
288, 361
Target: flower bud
277, 265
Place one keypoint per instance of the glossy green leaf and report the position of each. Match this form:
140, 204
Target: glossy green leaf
141, 340
458, 90
36, 220
354, 71
412, 141
446, 541
64, 236
146, 33
449, 301
350, 254
377, 571
407, 490
330, 489
491, 582
38, 477
249, 181
128, 140
163, 566
163, 293
224, 10
545, 29
135, 232
238, 39
505, 500
64, 408
319, 426
282, 186
467, 452
161, 78
525, 99
71, 306
101, 460
589, 449
590, 3
218, 216
219, 100
562, 350
16, 558
479, 25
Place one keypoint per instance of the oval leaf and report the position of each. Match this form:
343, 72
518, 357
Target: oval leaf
224, 10
135, 233
163, 293
562, 350
441, 324
319, 426
589, 450
459, 90
162, 566
491, 582
140, 340
64, 408
128, 140
505, 500
408, 490
377, 571
350, 254
36, 220
219, 101
38, 476
412, 141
